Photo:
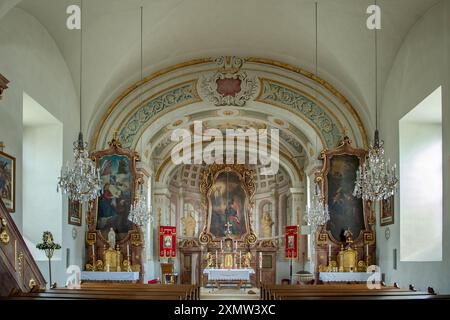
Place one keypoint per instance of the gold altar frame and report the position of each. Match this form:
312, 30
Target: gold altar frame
246, 177
134, 237
366, 235
115, 148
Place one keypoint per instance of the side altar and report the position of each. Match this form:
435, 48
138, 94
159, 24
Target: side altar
113, 243
346, 244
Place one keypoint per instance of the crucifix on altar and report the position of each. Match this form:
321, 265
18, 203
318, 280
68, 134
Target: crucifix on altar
228, 232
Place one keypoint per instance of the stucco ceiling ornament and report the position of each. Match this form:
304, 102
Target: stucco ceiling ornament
229, 85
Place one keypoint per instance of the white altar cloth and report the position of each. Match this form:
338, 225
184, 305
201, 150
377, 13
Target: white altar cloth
109, 276
344, 276
229, 274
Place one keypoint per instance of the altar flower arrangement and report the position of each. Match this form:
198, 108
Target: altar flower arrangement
49, 247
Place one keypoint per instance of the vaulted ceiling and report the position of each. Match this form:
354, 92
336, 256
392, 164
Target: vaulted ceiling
179, 30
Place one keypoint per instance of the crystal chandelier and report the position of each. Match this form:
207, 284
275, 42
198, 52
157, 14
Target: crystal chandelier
375, 179
139, 212
80, 180
317, 213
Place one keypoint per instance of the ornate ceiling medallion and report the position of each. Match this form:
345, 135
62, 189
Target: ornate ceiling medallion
229, 86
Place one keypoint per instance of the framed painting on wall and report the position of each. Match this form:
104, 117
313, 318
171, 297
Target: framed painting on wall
75, 213
8, 181
387, 211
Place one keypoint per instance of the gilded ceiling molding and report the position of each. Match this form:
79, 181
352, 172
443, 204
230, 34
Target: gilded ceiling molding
282, 95
136, 85
229, 85
177, 96
320, 81
321, 119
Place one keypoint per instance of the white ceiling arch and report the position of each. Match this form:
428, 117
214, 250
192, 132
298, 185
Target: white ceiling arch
179, 30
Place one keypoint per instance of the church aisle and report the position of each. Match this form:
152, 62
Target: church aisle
229, 294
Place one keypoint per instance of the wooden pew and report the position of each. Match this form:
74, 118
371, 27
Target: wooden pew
337, 291
48, 295
193, 291
116, 292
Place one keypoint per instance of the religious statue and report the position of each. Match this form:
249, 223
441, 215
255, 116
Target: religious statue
112, 238
348, 236
267, 224
247, 260
189, 225
210, 260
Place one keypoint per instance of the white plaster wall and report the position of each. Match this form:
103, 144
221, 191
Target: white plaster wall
420, 192
42, 209
31, 60
421, 66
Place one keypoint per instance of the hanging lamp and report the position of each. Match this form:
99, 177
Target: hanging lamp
80, 179
317, 213
139, 212
376, 179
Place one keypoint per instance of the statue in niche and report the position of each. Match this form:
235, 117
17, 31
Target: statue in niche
267, 224
246, 260
189, 224
112, 238
210, 260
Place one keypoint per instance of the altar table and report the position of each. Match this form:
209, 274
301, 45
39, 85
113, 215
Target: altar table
228, 276
344, 276
109, 276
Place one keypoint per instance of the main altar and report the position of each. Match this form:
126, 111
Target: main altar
227, 250
228, 265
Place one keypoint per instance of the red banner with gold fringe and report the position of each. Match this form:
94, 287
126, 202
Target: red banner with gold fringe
291, 242
167, 242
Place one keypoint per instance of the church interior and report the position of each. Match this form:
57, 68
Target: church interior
198, 149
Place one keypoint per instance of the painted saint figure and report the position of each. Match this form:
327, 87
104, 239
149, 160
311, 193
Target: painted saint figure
267, 224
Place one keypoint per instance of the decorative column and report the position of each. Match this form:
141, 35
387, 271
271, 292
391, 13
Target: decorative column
162, 201
180, 209
278, 221
311, 170
297, 205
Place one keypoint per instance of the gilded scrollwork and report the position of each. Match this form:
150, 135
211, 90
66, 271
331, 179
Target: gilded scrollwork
229, 85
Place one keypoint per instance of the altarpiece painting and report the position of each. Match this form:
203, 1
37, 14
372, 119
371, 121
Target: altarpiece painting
347, 213
227, 198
